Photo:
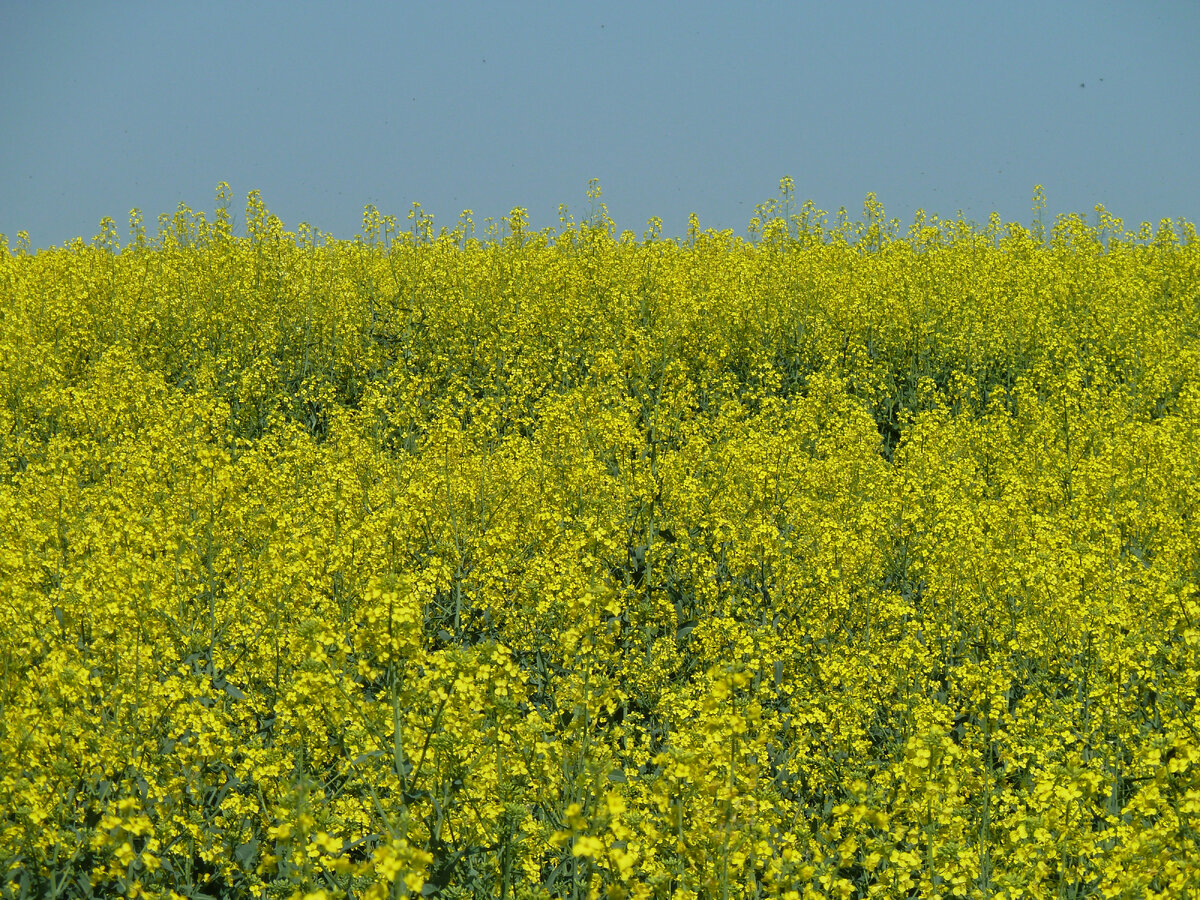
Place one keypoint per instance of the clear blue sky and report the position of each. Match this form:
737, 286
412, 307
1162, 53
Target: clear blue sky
676, 108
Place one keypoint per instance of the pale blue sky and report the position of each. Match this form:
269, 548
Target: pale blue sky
675, 107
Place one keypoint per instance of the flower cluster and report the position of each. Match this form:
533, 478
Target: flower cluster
847, 562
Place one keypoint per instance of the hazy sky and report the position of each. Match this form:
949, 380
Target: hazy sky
676, 108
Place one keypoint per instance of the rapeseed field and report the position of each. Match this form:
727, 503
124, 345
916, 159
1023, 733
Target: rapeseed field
854, 560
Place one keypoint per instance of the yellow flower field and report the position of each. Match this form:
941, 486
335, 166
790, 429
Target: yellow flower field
860, 560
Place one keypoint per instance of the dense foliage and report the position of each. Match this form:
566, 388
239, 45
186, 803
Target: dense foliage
843, 562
